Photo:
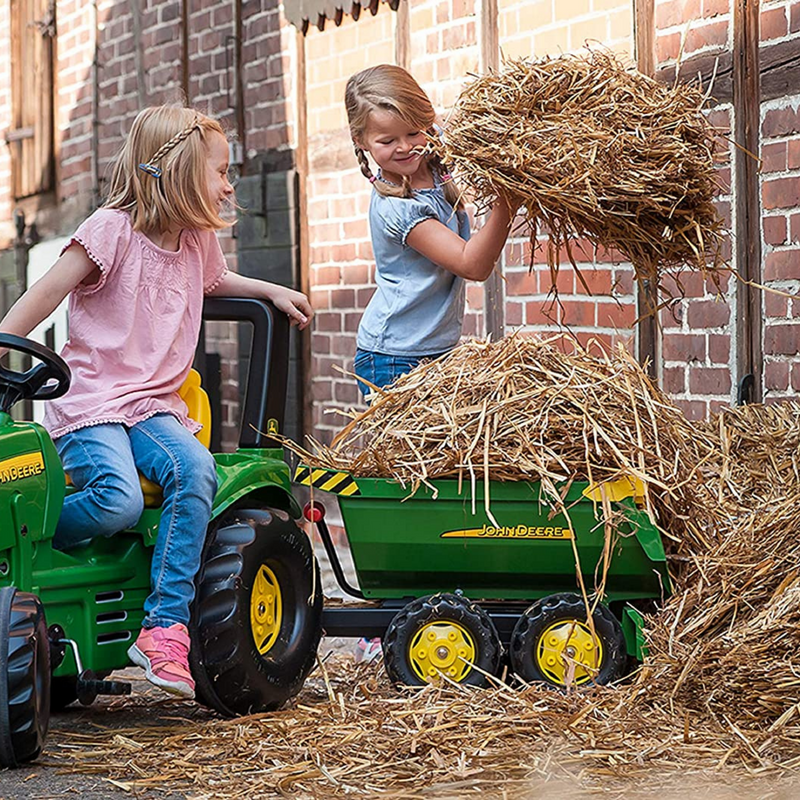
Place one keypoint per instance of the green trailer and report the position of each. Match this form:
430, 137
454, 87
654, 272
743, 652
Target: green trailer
458, 591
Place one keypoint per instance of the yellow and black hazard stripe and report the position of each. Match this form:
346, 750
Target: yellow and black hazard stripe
329, 480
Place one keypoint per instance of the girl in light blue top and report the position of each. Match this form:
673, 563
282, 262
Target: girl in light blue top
420, 231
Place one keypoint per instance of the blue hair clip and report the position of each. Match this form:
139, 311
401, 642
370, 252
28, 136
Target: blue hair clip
151, 169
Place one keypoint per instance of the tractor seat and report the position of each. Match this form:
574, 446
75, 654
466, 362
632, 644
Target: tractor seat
196, 399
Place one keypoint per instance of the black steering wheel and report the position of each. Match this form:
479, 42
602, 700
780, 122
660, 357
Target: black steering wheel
45, 381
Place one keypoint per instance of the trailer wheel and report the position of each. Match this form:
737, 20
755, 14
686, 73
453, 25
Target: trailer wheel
553, 642
257, 616
24, 677
441, 635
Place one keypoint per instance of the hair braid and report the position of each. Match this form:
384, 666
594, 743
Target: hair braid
175, 140
451, 191
364, 164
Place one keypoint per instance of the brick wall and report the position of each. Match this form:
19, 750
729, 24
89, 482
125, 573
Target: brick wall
780, 197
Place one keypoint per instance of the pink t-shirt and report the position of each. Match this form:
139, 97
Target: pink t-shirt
133, 334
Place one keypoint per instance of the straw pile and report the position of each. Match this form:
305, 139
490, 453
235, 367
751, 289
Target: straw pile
536, 410
596, 151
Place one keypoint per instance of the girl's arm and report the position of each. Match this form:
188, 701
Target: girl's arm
294, 304
44, 297
473, 259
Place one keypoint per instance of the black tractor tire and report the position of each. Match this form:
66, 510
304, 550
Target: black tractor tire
24, 677
232, 675
426, 614
63, 692
566, 607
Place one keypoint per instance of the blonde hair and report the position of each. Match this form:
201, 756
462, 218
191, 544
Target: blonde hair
391, 88
170, 142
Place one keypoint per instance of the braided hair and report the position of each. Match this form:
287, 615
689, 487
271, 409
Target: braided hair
161, 174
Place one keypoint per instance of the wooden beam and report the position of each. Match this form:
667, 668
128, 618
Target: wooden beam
493, 299
301, 163
402, 35
647, 349
747, 208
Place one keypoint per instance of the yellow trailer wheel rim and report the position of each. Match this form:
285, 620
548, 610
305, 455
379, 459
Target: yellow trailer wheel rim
266, 609
442, 648
568, 645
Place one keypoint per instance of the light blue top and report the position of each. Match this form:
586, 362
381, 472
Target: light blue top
418, 307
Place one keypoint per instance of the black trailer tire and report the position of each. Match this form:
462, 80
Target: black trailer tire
257, 614
439, 634
557, 624
24, 677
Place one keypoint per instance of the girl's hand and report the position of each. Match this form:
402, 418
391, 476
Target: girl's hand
294, 304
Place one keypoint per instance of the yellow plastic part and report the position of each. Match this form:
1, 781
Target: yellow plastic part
266, 609
442, 648
616, 490
196, 399
566, 645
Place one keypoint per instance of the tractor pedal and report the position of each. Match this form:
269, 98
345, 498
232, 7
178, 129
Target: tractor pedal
89, 686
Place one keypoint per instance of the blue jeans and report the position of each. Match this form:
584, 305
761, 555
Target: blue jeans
103, 462
383, 370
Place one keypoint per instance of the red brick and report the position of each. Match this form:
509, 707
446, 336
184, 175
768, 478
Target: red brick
320, 343
776, 375
684, 347
794, 18
715, 34
674, 380
773, 24
713, 8
540, 313
776, 305
782, 265
676, 12
614, 315
719, 348
708, 314
794, 228
598, 282
780, 122
514, 314
783, 340
693, 409
781, 193
773, 155
668, 47
520, 283
794, 154
774, 230
579, 314
327, 321
796, 377
709, 380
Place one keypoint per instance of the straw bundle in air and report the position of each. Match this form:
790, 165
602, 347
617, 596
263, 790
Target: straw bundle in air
595, 151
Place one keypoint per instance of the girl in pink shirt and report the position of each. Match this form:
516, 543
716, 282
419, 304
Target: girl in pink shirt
136, 272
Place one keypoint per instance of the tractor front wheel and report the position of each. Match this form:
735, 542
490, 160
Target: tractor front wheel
553, 642
257, 617
24, 677
441, 636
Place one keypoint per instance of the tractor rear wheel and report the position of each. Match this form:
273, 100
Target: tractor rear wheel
441, 635
24, 677
554, 643
257, 617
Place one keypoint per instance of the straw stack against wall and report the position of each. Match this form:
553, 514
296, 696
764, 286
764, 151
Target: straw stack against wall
595, 151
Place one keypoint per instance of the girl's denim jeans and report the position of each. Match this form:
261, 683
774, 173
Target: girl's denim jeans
382, 370
103, 462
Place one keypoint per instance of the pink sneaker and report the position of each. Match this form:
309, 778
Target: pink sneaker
368, 650
163, 653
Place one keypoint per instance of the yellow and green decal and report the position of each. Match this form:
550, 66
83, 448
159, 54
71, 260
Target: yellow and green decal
328, 480
20, 467
510, 532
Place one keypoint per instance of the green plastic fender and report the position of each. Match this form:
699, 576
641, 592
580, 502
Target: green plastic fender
633, 630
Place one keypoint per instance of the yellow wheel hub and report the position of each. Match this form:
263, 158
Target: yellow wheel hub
266, 609
568, 645
442, 648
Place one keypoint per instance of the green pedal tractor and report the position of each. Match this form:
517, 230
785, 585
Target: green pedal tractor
68, 618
